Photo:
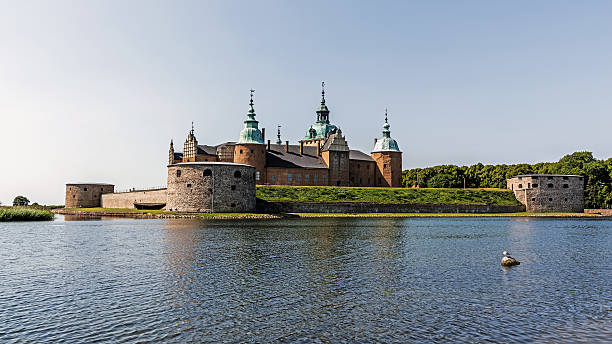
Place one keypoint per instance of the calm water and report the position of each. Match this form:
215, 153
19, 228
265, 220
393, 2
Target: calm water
306, 280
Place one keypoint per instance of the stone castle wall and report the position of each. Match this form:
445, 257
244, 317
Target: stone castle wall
349, 208
211, 187
549, 193
130, 199
86, 195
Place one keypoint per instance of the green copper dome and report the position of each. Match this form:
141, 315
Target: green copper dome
251, 132
386, 143
321, 128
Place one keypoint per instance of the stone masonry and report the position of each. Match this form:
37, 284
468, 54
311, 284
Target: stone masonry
549, 193
211, 187
86, 195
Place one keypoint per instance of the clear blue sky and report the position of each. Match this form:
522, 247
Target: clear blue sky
95, 90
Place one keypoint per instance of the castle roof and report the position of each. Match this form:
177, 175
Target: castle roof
204, 149
277, 157
359, 155
251, 132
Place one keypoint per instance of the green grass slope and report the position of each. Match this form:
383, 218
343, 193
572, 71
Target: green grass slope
322, 194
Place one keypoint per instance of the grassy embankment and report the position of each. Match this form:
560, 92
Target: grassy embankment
319, 194
24, 214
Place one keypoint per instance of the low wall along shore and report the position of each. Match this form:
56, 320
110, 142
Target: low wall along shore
128, 199
297, 207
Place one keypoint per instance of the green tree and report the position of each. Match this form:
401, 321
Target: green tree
20, 201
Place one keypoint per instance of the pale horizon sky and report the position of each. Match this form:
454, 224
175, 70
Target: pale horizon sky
94, 90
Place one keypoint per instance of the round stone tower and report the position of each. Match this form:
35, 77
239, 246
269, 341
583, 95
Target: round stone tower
211, 187
388, 159
250, 148
86, 195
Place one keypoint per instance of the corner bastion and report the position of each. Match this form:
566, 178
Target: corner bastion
211, 187
86, 195
549, 193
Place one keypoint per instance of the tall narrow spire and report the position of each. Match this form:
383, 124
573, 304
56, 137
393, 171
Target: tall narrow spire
323, 111
278, 136
322, 92
251, 132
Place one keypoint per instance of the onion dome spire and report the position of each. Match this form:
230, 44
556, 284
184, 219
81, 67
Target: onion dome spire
251, 132
323, 111
386, 143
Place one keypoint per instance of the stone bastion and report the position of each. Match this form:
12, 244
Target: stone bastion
549, 193
86, 195
211, 187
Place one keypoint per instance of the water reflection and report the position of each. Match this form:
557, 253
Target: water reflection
314, 280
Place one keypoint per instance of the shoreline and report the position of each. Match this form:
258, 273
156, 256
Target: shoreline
159, 214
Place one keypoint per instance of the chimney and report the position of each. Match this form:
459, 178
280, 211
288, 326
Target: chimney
287, 146
301, 147
318, 149
375, 140
263, 134
268, 144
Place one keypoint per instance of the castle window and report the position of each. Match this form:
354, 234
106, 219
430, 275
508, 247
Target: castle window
73, 196
188, 185
273, 177
289, 177
307, 177
565, 186
384, 165
101, 189
178, 173
360, 181
534, 185
251, 151
315, 177
550, 199
580, 178
241, 151
233, 187
534, 177
298, 177
549, 178
95, 196
550, 186
257, 175
566, 199
528, 185
337, 183
520, 186
565, 178
533, 199
233, 205
237, 174
368, 181
85, 189
207, 173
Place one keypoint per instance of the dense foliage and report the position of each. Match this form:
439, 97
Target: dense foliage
24, 214
323, 194
597, 174
20, 201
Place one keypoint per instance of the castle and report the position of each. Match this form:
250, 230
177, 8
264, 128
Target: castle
322, 157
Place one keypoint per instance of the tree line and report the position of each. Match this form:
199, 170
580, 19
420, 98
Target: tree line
597, 174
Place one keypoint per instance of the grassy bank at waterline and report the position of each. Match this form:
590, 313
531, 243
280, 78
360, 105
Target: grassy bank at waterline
326, 194
24, 214
144, 214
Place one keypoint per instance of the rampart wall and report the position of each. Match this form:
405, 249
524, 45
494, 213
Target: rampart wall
297, 207
549, 193
129, 199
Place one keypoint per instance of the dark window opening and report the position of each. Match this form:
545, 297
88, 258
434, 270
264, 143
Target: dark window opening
520, 186
233, 205
188, 185
207, 173
528, 185
241, 151
337, 183
565, 178
565, 186
534, 185
566, 199
251, 151
233, 187
237, 174
533, 199
210, 190
95, 196
580, 178
534, 178
85, 189
178, 173
550, 186
550, 199
73, 196
549, 178
101, 189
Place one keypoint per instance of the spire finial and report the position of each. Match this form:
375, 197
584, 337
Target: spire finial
278, 136
192, 131
252, 91
322, 92
386, 115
